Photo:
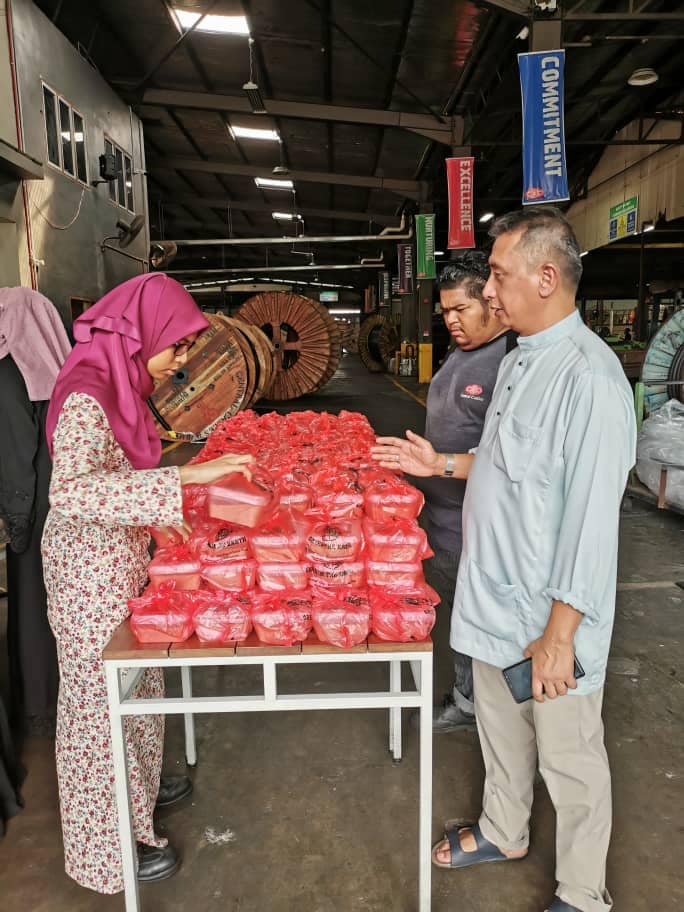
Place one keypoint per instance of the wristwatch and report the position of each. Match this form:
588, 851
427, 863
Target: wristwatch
449, 467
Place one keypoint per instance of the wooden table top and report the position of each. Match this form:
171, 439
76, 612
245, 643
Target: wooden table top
124, 645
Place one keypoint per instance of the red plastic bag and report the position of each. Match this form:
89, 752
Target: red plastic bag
195, 506
216, 539
341, 616
400, 540
161, 615
165, 536
337, 573
403, 617
176, 565
395, 576
235, 576
278, 541
295, 495
390, 497
235, 499
274, 577
334, 539
282, 619
221, 617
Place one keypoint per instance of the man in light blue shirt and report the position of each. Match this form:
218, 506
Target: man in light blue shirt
539, 563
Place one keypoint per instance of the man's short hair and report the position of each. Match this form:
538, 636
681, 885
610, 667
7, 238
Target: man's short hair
469, 271
547, 236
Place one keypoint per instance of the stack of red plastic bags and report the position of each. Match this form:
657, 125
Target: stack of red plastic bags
320, 539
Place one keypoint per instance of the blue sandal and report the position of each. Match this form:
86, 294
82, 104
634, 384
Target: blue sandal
486, 851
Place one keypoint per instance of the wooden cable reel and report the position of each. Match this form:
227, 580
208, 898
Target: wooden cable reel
378, 342
305, 339
228, 369
663, 368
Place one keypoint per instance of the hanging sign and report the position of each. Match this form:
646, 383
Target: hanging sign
425, 247
405, 266
384, 288
460, 172
545, 176
623, 219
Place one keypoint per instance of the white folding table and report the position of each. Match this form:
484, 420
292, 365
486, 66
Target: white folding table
125, 661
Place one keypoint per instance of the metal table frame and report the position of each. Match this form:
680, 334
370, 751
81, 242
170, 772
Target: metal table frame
123, 654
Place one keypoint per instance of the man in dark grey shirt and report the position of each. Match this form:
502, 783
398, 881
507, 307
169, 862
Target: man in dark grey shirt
457, 402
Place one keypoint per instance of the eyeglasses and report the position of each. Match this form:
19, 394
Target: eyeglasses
182, 348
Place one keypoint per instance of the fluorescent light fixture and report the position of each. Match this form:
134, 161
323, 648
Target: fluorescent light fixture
270, 183
287, 216
253, 133
339, 313
648, 226
584, 253
486, 217
253, 93
439, 253
218, 25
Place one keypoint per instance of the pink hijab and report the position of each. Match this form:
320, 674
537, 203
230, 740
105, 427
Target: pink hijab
115, 339
33, 334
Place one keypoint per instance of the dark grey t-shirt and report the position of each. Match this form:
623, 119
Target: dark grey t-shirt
457, 402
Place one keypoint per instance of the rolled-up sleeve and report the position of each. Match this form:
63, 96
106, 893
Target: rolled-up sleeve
599, 450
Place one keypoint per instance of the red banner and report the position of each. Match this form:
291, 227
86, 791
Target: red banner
460, 175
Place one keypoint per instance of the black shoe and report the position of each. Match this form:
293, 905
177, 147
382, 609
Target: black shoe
450, 718
156, 864
173, 789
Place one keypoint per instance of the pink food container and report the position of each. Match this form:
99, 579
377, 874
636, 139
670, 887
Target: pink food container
235, 499
335, 540
235, 576
184, 573
392, 541
278, 544
337, 573
388, 501
276, 576
397, 576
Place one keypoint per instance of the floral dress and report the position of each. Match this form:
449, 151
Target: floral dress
95, 554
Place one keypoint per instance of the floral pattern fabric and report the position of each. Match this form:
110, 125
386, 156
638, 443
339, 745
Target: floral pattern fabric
95, 554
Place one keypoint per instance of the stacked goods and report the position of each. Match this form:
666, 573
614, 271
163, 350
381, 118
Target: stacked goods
318, 539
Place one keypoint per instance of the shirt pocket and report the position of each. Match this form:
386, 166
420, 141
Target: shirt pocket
515, 445
490, 606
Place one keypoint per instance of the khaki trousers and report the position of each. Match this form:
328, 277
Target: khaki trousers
565, 738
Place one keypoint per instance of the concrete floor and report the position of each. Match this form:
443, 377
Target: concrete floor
307, 811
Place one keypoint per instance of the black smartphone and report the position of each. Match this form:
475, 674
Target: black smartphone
519, 679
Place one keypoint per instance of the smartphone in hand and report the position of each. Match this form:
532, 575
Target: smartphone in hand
519, 679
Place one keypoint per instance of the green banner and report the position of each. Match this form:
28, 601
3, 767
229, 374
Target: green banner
425, 247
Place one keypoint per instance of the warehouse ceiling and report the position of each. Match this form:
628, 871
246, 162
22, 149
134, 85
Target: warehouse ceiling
367, 98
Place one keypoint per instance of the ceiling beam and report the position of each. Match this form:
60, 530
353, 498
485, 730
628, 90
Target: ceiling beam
516, 7
408, 188
423, 124
225, 202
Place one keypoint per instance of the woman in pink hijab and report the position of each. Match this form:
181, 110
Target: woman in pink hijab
106, 488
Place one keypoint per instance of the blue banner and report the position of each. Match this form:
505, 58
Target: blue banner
545, 175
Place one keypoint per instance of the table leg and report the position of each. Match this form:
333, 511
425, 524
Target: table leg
126, 837
189, 718
395, 712
425, 822
662, 488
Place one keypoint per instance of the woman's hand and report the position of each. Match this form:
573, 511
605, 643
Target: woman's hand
209, 472
415, 455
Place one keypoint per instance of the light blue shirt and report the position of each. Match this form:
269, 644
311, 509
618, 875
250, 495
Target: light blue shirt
541, 512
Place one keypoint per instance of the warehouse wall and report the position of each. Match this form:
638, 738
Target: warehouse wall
654, 174
11, 211
70, 262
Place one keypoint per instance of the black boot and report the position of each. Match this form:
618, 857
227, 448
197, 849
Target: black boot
450, 718
156, 864
173, 789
